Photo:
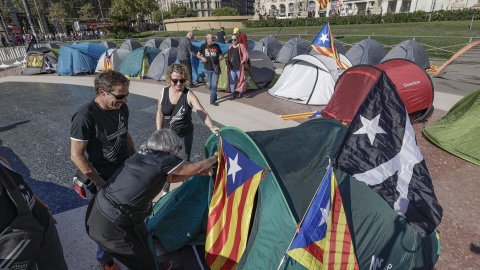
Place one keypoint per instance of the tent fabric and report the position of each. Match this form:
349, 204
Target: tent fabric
114, 59
409, 50
457, 132
308, 79
108, 44
51, 45
80, 58
168, 43
413, 85
292, 48
338, 45
269, 45
137, 63
463, 66
153, 42
159, 66
366, 52
130, 45
41, 60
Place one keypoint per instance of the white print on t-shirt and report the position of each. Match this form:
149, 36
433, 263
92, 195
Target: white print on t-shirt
26, 194
212, 51
117, 134
178, 116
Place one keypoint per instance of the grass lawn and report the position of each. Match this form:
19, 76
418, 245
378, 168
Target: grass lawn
457, 32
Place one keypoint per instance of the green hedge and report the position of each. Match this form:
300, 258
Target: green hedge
417, 16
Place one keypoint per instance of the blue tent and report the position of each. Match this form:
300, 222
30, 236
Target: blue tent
80, 58
198, 70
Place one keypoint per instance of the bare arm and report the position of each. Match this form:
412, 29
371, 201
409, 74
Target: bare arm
200, 56
202, 113
194, 54
131, 146
77, 155
187, 169
159, 119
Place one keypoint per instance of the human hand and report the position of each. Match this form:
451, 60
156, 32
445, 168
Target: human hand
214, 129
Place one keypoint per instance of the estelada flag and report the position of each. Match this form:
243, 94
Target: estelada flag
325, 45
322, 3
324, 240
230, 210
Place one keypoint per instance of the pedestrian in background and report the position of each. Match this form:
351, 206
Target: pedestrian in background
242, 38
184, 52
211, 54
221, 35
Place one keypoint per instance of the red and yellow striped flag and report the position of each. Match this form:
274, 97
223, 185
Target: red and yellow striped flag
325, 45
230, 210
322, 3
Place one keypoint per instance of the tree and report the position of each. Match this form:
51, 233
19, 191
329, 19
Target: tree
59, 12
157, 17
132, 8
87, 11
226, 11
182, 11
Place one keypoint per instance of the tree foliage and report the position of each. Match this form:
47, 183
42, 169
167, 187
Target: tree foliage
182, 11
157, 17
88, 11
60, 11
132, 8
226, 11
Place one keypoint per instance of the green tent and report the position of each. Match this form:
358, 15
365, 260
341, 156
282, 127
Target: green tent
136, 64
297, 158
458, 132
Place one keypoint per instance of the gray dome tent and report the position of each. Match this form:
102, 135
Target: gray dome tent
51, 45
409, 50
40, 60
269, 45
366, 52
168, 43
159, 65
338, 45
108, 44
131, 45
292, 48
262, 70
154, 42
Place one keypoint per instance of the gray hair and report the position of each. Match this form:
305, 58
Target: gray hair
162, 140
109, 80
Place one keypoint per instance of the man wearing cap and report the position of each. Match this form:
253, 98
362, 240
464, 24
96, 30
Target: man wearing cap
221, 35
242, 38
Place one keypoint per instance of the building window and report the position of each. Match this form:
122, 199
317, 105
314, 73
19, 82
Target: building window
392, 6
405, 6
203, 13
208, 5
203, 5
209, 13
196, 6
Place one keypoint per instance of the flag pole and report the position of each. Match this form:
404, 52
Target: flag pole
304, 215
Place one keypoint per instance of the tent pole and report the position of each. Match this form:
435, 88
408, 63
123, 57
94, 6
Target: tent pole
304, 215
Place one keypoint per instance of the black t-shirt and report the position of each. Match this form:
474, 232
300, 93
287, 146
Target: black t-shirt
106, 134
179, 120
221, 37
137, 182
8, 210
234, 58
214, 51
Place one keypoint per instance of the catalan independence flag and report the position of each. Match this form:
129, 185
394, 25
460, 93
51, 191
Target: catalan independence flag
230, 210
324, 240
325, 45
322, 3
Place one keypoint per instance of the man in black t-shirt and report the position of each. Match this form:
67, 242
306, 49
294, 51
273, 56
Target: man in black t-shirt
100, 128
221, 35
211, 54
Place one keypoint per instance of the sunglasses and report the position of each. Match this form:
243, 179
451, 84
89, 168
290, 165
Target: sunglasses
234, 39
119, 97
175, 81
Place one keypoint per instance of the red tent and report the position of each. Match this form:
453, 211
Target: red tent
413, 85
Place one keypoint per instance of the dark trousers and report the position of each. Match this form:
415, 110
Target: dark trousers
188, 64
120, 240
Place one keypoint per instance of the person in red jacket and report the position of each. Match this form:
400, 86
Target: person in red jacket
242, 38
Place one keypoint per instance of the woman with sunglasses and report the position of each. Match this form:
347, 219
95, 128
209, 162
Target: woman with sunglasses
237, 57
115, 217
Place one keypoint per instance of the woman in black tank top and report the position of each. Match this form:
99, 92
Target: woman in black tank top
175, 104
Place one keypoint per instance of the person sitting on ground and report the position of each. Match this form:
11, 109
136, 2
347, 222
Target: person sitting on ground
132, 189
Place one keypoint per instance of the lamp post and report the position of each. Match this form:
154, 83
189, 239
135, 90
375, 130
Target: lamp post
29, 17
474, 7
4, 27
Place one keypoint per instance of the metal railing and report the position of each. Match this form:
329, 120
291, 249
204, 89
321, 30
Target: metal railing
16, 54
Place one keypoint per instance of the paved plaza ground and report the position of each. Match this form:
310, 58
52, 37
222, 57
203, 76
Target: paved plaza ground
35, 113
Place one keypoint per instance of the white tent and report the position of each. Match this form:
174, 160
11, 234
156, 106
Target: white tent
112, 58
308, 79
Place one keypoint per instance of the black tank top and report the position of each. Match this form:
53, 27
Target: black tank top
177, 117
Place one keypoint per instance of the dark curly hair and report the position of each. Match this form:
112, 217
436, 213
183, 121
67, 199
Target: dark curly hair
108, 80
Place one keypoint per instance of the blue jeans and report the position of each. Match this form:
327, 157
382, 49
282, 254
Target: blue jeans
234, 74
212, 80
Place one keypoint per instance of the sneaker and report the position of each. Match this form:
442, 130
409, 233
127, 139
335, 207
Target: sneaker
165, 265
240, 94
233, 95
110, 266
213, 103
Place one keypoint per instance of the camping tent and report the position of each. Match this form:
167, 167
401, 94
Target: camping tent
283, 197
292, 48
338, 45
137, 63
111, 59
41, 60
153, 42
130, 45
308, 79
464, 66
168, 43
458, 132
158, 68
79, 58
51, 45
261, 73
366, 52
269, 45
409, 50
412, 83
108, 44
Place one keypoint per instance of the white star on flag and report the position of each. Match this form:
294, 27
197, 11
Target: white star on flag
21, 186
370, 127
325, 214
324, 38
234, 168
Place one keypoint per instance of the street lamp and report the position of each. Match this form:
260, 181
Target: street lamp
474, 7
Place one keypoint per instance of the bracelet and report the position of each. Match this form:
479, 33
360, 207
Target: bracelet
212, 126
